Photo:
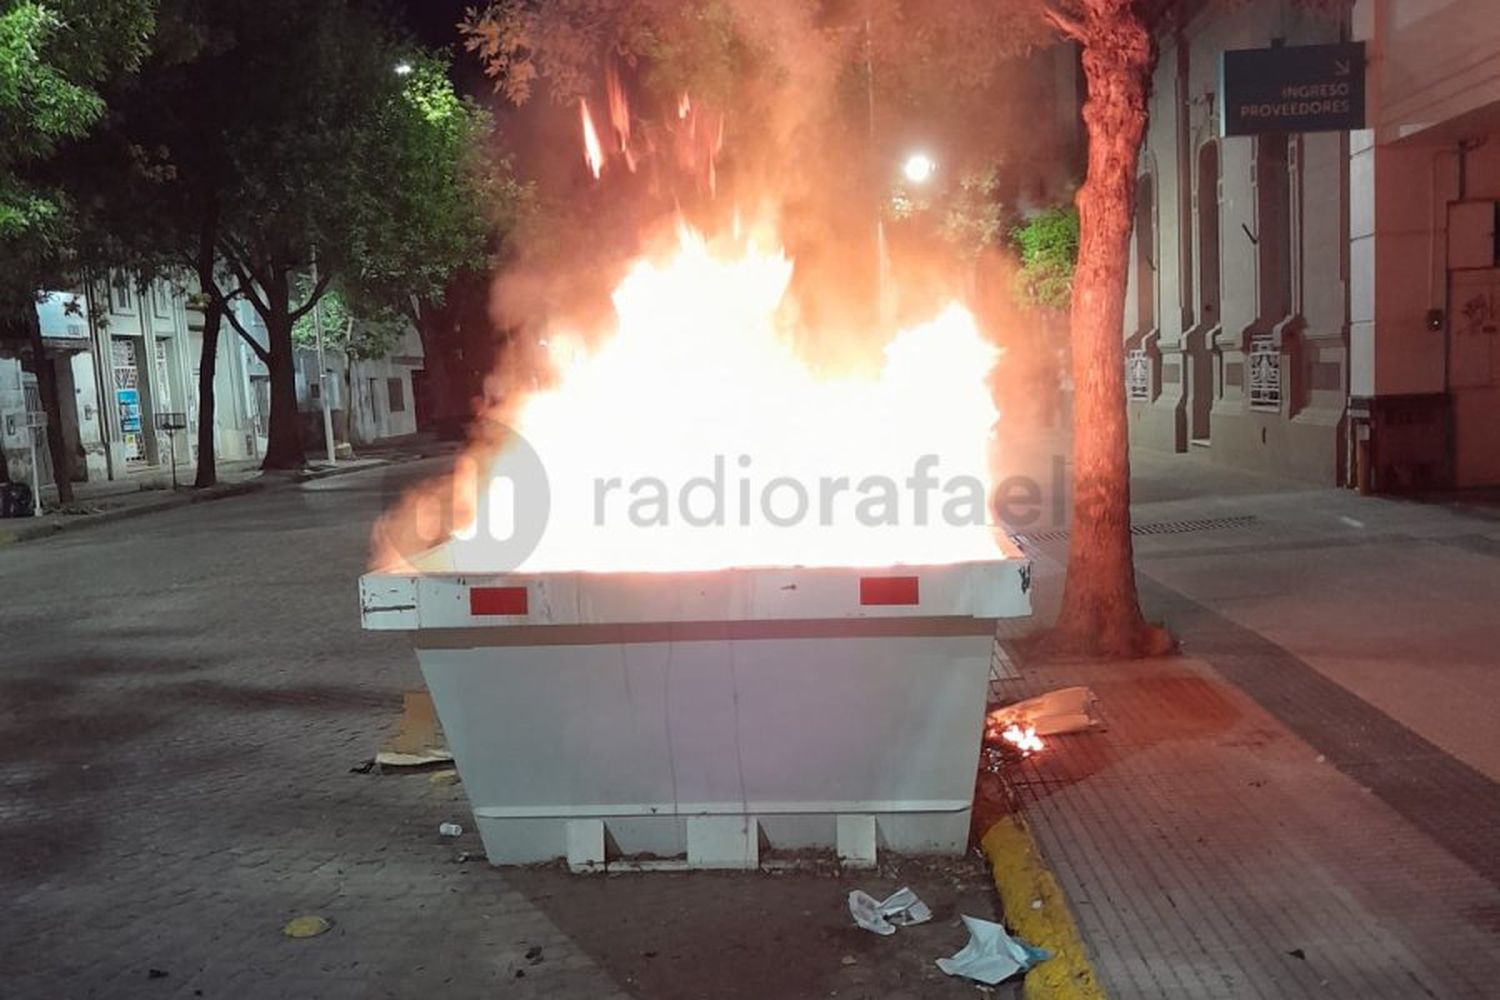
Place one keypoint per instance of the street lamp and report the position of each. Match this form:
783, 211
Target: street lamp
919, 168
403, 69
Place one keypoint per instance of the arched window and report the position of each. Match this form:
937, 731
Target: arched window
1145, 254
1273, 207
1202, 388
1209, 251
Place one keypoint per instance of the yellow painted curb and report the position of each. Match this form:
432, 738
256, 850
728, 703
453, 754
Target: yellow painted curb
1021, 877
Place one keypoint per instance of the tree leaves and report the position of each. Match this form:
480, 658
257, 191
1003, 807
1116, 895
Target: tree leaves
1048, 247
53, 54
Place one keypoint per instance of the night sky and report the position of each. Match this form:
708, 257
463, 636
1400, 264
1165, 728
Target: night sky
434, 20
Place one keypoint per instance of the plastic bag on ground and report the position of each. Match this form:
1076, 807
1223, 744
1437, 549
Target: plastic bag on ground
992, 955
900, 909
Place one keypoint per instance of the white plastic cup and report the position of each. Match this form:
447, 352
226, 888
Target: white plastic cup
450, 829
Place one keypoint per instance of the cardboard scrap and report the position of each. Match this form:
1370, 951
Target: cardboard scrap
1068, 710
419, 740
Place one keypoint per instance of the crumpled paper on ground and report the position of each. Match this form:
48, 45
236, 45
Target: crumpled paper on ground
1068, 710
991, 955
900, 909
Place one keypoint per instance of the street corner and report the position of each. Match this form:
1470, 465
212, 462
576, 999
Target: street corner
1037, 911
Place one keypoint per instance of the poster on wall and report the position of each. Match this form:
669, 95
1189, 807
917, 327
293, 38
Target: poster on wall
130, 409
128, 398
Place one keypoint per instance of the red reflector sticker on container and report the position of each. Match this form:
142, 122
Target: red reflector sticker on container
888, 590
497, 601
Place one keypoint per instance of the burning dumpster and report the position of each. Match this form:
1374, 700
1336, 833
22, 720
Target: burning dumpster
700, 594
691, 717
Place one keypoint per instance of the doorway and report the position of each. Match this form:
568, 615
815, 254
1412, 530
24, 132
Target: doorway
1474, 377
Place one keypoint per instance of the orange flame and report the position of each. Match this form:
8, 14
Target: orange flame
593, 150
619, 115
690, 434
684, 105
1026, 740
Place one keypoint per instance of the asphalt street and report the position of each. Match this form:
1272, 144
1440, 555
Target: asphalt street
182, 698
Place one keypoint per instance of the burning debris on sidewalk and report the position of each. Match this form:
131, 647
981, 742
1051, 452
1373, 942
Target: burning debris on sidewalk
1015, 732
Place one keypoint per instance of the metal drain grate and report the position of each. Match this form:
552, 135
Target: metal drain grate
1201, 524
1182, 527
1033, 537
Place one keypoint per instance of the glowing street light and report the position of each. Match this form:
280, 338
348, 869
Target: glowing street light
919, 168
403, 69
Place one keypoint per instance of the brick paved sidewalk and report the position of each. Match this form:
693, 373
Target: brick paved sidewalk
1209, 852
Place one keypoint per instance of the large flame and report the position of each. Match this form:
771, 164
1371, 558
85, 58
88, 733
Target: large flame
698, 393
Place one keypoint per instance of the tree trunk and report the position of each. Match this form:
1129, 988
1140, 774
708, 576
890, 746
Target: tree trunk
284, 437
208, 366
208, 360
1101, 613
46, 382
448, 415
351, 412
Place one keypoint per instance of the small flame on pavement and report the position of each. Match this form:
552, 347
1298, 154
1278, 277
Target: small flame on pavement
1025, 740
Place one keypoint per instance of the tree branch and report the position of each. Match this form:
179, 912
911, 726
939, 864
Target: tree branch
243, 274
239, 328
312, 299
244, 269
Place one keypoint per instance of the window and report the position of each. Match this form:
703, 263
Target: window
1209, 194
397, 395
1273, 212
161, 300
1145, 254
1138, 375
119, 292
1265, 373
162, 388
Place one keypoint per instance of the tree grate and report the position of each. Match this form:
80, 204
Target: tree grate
1182, 527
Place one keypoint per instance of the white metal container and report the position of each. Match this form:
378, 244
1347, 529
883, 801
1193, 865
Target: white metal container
692, 719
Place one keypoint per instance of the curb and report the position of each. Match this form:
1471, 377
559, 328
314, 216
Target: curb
26, 533
1021, 877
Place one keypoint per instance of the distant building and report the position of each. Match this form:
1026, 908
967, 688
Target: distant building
1322, 305
125, 357
127, 361
372, 400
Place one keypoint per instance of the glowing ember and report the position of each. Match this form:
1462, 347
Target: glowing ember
593, 151
693, 436
619, 115
1026, 740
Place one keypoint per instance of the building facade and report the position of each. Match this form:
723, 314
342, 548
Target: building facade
127, 360
372, 399
125, 357
1295, 304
